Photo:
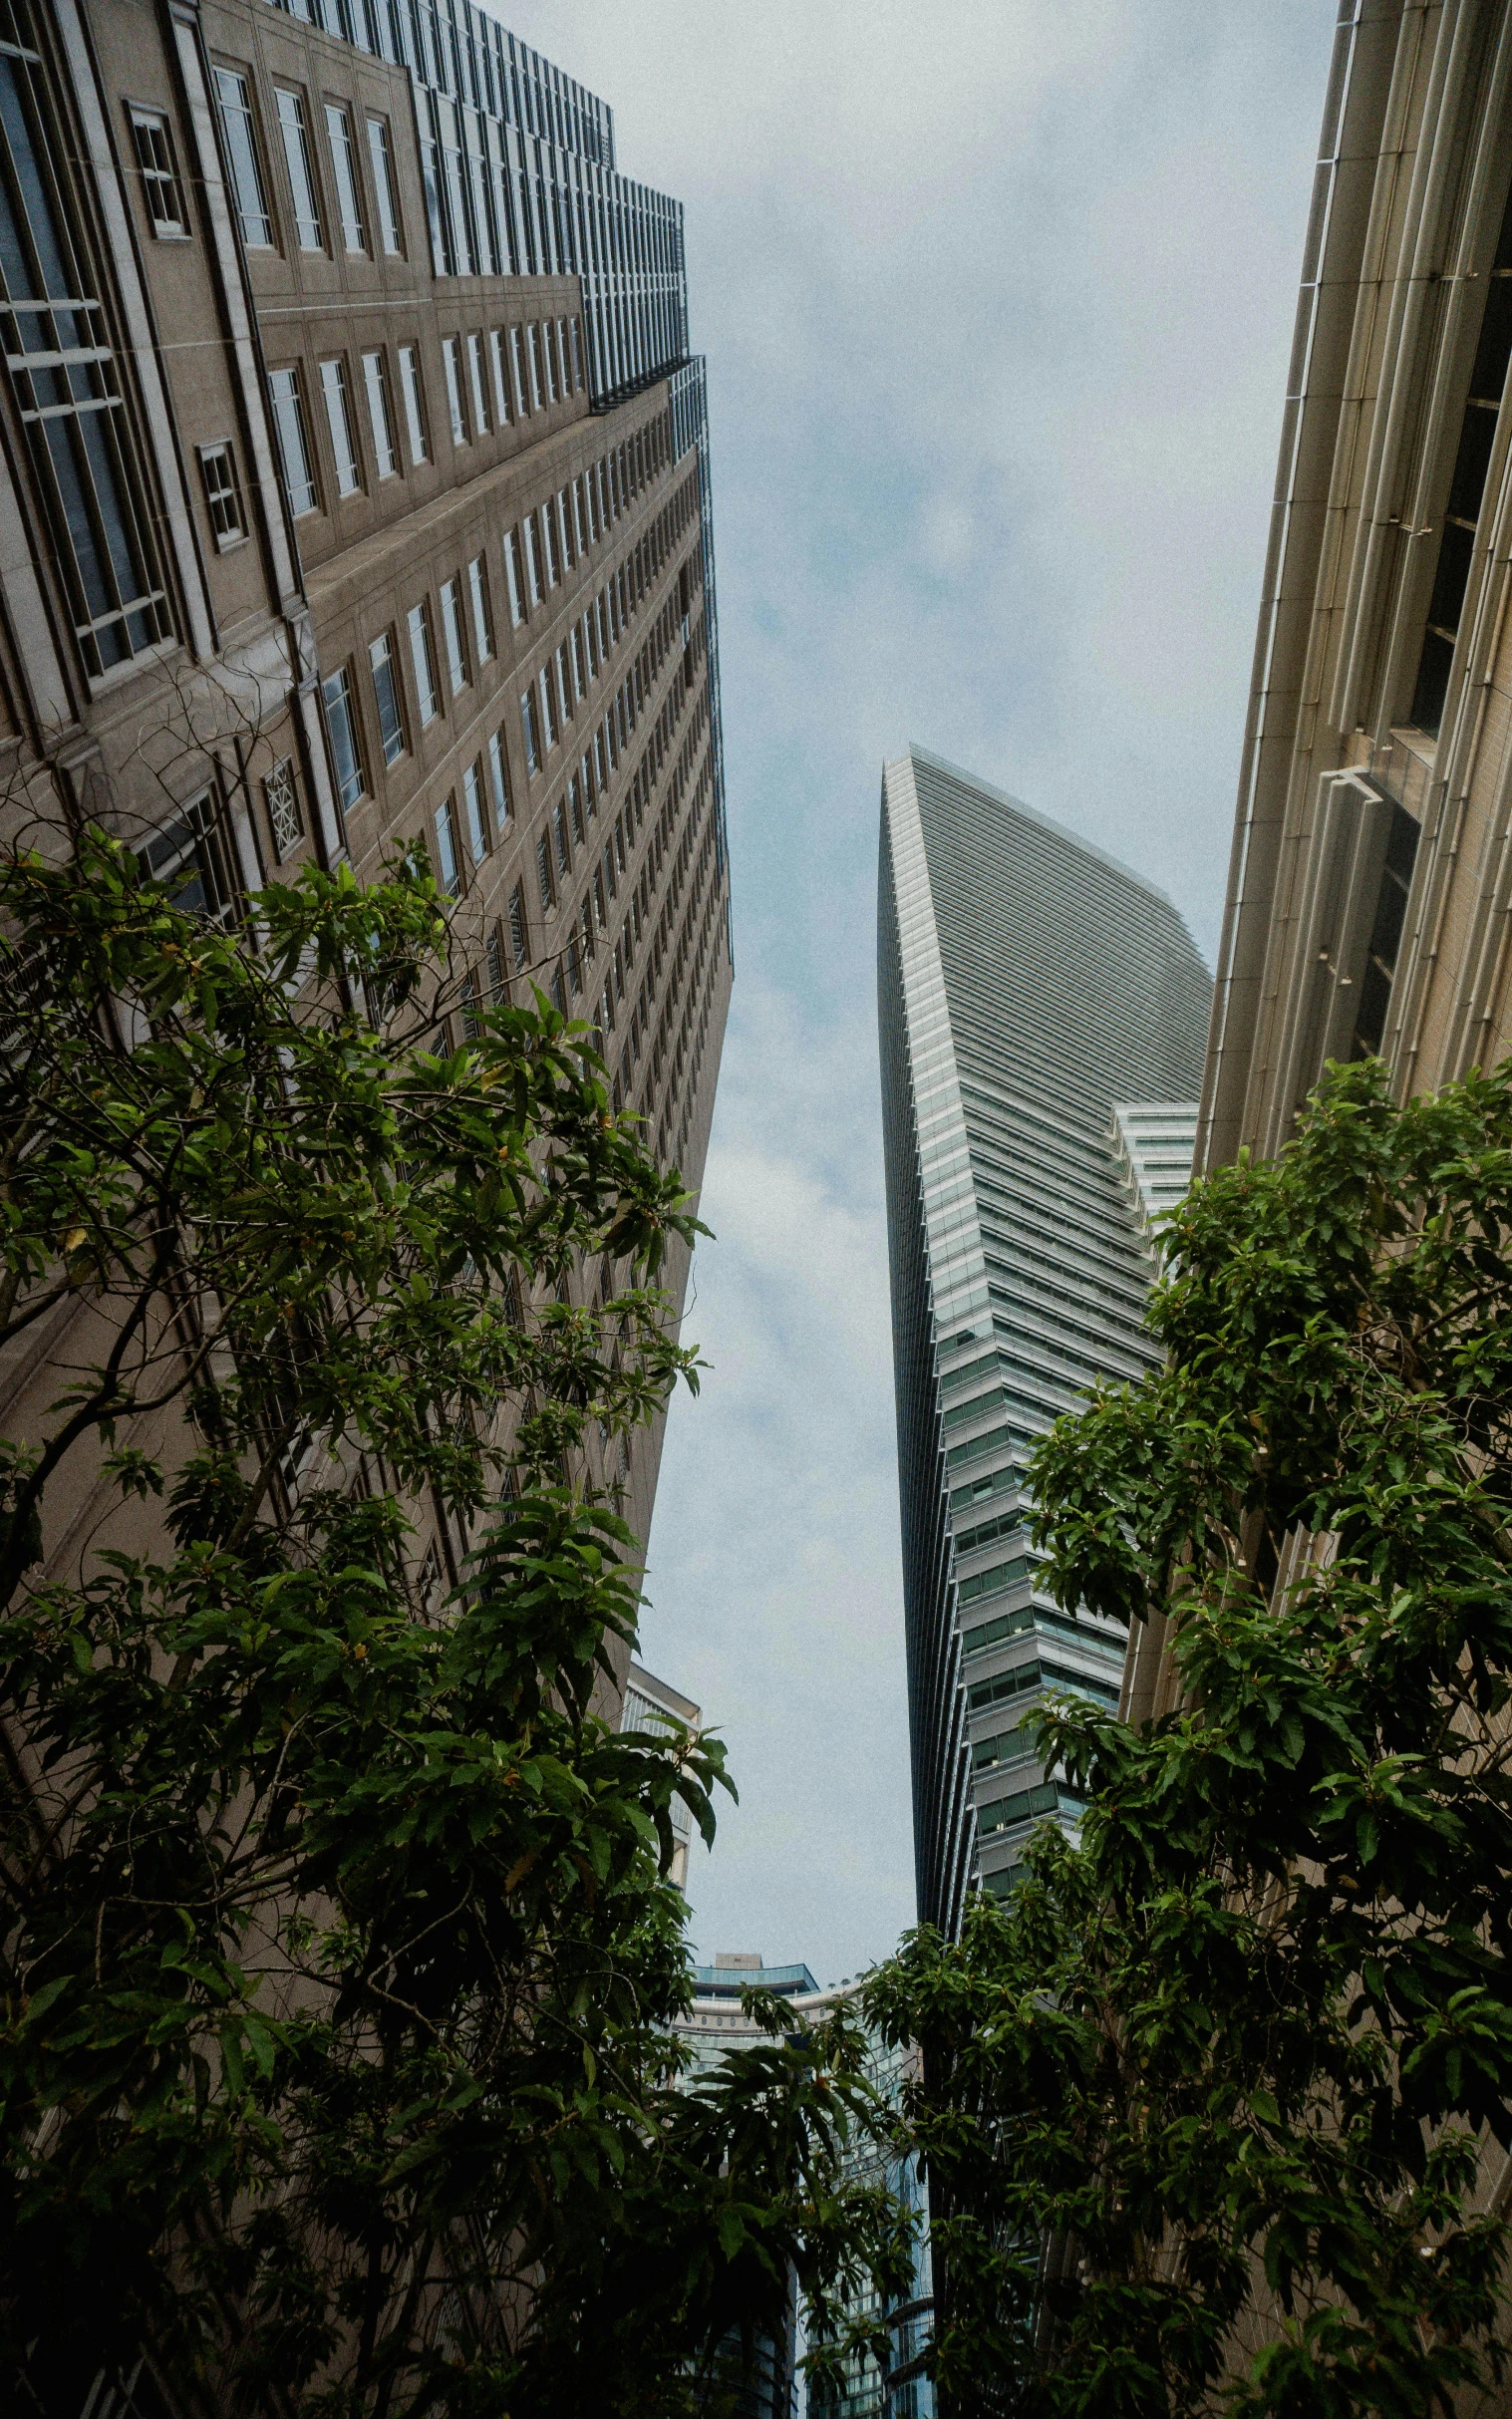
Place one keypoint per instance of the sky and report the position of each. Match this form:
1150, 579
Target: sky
997, 302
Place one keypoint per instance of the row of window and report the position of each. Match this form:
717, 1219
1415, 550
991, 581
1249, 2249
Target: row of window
352, 192
480, 368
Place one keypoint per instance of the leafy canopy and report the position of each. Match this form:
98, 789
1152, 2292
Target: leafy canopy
1236, 2070
338, 1955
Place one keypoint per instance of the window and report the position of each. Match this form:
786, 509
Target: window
453, 633
344, 160
553, 554
495, 953
517, 356
424, 663
565, 517
548, 705
161, 188
519, 929
341, 723
534, 551
515, 567
382, 159
527, 724
577, 356
481, 419
448, 863
482, 617
190, 859
293, 441
559, 834
333, 386
476, 809
390, 717
543, 874
281, 798
236, 100
564, 692
222, 494
553, 380
537, 381
380, 419
579, 664
415, 401
451, 356
502, 410
301, 168
498, 779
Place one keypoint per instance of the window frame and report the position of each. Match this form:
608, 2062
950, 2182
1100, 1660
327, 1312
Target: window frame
482, 608
385, 186
244, 111
454, 634
413, 386
143, 120
341, 680
217, 450
299, 420
451, 371
294, 136
427, 686
375, 379
387, 639
342, 145
336, 394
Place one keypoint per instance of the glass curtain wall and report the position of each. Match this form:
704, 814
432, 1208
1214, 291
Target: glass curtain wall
1027, 982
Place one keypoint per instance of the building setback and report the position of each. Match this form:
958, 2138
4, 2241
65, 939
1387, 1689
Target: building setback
1027, 982
355, 494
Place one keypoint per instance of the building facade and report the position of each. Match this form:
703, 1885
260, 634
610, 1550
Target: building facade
1027, 982
660, 1711
718, 2024
1372, 853
355, 498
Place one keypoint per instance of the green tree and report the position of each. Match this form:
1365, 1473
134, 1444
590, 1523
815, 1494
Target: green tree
1236, 2070
338, 1955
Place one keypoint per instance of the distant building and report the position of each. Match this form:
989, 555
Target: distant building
1027, 982
718, 2026
651, 1705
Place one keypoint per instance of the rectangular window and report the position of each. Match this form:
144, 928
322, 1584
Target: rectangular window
301, 168
517, 356
423, 659
478, 377
453, 633
482, 616
543, 874
222, 494
590, 639
564, 516
344, 160
375, 379
190, 861
498, 779
234, 97
501, 409
527, 724
333, 385
341, 723
476, 810
533, 554
449, 862
563, 691
548, 705
553, 553
382, 159
451, 356
161, 188
579, 664
553, 375
577, 356
519, 929
495, 954
559, 833
515, 568
293, 441
415, 401
391, 718
537, 380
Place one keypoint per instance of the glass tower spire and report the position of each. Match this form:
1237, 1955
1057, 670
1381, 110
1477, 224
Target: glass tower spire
1028, 983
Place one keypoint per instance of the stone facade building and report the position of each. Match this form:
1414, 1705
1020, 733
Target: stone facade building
355, 495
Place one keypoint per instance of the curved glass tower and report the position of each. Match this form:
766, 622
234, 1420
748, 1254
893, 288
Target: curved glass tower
1027, 982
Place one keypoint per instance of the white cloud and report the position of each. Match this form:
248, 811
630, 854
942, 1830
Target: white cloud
997, 300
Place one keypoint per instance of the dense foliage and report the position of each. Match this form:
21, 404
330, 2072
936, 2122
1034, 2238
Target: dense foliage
338, 1954
1216, 2105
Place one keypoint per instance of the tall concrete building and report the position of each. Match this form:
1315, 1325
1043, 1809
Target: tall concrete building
355, 491
1027, 984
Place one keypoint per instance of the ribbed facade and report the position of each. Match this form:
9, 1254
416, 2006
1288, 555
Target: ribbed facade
1027, 982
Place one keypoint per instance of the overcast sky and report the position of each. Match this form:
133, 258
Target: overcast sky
997, 302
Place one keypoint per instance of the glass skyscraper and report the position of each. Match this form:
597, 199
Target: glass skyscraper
1027, 983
